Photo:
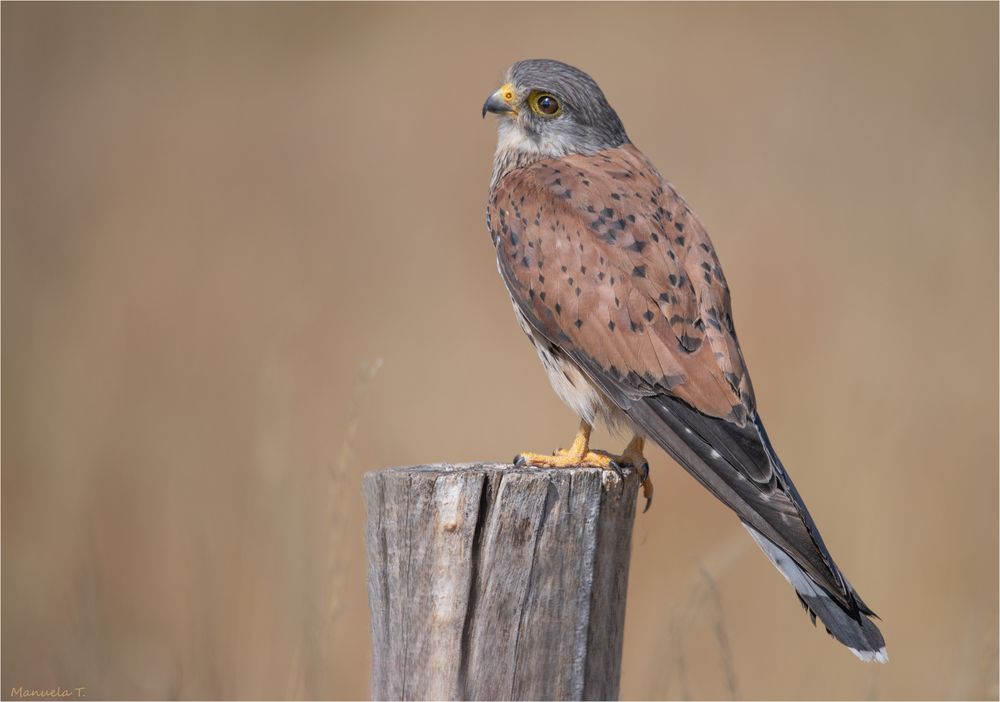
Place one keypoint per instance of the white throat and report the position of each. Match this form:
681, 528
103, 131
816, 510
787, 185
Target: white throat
516, 148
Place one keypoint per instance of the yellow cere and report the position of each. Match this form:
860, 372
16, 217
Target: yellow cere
508, 93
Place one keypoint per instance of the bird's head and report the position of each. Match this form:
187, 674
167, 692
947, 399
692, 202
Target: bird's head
548, 109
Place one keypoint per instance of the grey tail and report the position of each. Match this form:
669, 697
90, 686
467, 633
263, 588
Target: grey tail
737, 463
854, 630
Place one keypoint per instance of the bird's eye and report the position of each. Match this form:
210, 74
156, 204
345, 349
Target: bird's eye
545, 104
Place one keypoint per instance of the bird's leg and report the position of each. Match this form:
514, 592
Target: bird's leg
578, 454
580, 445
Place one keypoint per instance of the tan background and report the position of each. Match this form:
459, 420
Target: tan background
217, 217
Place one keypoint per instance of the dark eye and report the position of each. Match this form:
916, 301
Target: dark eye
547, 104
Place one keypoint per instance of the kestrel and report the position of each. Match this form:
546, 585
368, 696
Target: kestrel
616, 283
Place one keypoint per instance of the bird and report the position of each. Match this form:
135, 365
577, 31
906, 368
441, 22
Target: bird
617, 285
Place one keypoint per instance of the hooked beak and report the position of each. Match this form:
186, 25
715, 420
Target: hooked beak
501, 102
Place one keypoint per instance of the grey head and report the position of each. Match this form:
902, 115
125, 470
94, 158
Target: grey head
548, 109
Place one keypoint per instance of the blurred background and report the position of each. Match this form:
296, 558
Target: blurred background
244, 261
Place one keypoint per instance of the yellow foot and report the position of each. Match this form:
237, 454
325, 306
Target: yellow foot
565, 458
580, 454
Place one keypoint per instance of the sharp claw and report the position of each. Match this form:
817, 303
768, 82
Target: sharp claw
519, 461
644, 471
647, 488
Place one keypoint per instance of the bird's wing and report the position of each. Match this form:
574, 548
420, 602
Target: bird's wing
606, 261
601, 249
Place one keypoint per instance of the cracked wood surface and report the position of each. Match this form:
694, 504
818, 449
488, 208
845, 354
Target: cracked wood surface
490, 582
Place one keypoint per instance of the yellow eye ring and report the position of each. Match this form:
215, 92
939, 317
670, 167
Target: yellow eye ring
545, 104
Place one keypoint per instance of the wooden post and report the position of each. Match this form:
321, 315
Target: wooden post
492, 582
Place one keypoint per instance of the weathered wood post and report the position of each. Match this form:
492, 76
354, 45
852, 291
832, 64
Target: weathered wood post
492, 582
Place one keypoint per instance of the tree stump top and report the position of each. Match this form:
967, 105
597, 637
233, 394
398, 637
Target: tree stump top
488, 581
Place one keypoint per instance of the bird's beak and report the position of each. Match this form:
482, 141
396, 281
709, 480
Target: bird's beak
502, 101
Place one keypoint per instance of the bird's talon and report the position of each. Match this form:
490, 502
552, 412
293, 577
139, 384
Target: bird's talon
647, 488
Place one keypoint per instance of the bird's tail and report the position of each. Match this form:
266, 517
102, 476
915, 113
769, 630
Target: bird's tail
739, 466
853, 629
